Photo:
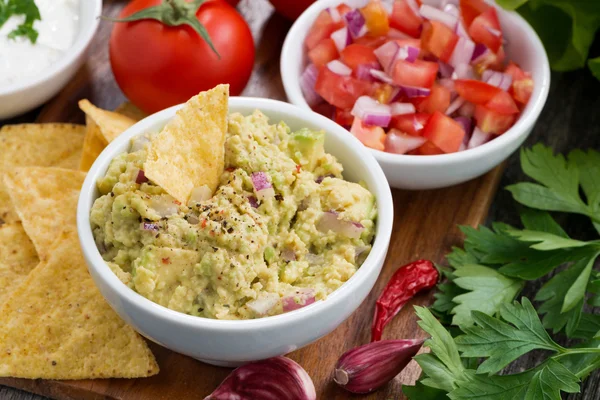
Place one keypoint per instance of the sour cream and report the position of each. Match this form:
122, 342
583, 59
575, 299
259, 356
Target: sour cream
20, 59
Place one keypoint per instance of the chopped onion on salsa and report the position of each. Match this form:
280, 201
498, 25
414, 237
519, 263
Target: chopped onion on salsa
415, 77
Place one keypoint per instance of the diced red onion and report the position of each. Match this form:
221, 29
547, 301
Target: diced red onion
363, 71
445, 70
253, 201
402, 108
339, 68
498, 79
306, 296
141, 177
307, 84
407, 53
434, 14
386, 54
200, 194
455, 105
164, 205
330, 221
460, 30
355, 23
411, 91
341, 38
462, 53
263, 304
138, 143
478, 138
356, 3
381, 76
417, 125
447, 83
334, 14
262, 186
463, 71
434, 3
396, 94
413, 5
493, 31
465, 123
319, 180
147, 226
480, 51
451, 9
467, 110
400, 143
372, 112
396, 34
388, 6
462, 146
288, 254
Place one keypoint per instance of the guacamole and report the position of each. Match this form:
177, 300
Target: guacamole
282, 230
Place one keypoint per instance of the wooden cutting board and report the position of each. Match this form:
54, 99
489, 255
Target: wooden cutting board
425, 226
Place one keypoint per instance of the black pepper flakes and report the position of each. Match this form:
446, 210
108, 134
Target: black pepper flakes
215, 249
53, 363
230, 230
278, 197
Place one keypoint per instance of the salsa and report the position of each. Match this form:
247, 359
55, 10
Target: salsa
414, 77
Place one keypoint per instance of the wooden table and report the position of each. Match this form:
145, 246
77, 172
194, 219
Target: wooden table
569, 120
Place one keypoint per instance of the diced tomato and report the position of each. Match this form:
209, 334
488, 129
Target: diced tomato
372, 42
343, 9
322, 28
383, 93
485, 29
438, 100
475, 91
323, 52
376, 19
438, 40
522, 86
344, 117
325, 109
412, 124
419, 74
471, 9
502, 103
444, 132
429, 149
340, 91
492, 122
370, 136
400, 143
405, 20
357, 54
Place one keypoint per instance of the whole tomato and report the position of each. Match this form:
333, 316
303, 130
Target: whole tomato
233, 3
291, 9
157, 65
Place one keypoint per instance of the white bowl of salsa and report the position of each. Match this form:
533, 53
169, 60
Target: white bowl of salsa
34, 70
418, 169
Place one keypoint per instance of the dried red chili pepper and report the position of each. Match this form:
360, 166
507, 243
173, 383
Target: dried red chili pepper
402, 286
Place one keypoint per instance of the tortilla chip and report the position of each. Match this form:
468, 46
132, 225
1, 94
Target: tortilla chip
17, 258
93, 144
110, 123
189, 151
56, 325
71, 162
131, 111
41, 145
45, 200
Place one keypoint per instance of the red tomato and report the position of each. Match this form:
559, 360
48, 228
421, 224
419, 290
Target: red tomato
429, 149
470, 9
522, 86
323, 52
370, 41
411, 124
357, 54
492, 122
502, 103
438, 100
405, 20
343, 9
475, 91
370, 136
325, 109
233, 3
158, 66
343, 118
321, 29
291, 9
444, 132
485, 29
340, 91
376, 19
419, 74
438, 40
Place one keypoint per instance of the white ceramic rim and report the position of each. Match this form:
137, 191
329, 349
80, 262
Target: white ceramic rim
81, 43
378, 252
531, 112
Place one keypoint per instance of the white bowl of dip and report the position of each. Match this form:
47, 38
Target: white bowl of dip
233, 342
30, 74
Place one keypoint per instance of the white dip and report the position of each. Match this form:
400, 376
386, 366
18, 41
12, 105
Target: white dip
20, 59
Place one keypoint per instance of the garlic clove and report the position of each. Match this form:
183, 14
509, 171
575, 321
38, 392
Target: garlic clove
276, 378
367, 368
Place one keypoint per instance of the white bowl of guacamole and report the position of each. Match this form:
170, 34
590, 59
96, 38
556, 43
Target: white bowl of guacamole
287, 247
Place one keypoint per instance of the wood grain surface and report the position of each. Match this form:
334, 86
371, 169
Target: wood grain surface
425, 225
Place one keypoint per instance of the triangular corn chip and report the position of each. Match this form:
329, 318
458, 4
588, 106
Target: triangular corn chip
17, 257
56, 325
110, 123
131, 111
189, 151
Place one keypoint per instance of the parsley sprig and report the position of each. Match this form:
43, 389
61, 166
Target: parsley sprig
8, 8
488, 330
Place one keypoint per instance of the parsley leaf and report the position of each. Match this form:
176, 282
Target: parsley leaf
538, 220
422, 392
492, 246
589, 167
545, 241
487, 291
504, 342
29, 9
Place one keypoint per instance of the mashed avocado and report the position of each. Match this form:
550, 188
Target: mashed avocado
282, 229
